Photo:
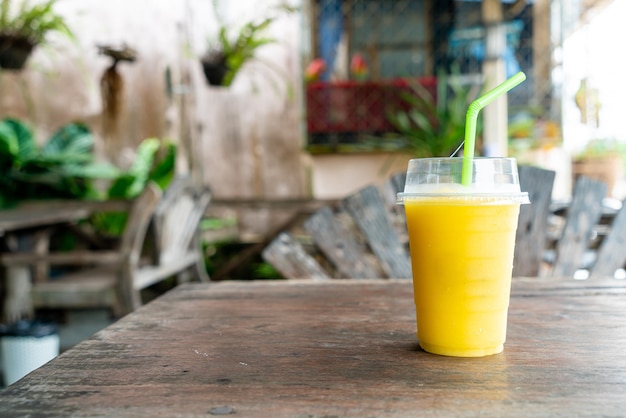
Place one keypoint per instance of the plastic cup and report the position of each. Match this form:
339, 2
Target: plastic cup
462, 240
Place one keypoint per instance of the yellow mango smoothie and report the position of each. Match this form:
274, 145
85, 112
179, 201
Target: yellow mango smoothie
462, 259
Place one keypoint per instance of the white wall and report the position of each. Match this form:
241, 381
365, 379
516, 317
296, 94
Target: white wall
594, 52
337, 176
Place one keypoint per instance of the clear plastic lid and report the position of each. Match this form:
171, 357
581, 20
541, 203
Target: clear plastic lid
493, 180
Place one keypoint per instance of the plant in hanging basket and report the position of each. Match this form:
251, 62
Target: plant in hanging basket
226, 55
14, 51
214, 66
23, 26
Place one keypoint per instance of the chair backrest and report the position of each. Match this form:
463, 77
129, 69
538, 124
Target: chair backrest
138, 222
287, 254
530, 239
353, 239
581, 221
370, 213
611, 255
332, 231
177, 217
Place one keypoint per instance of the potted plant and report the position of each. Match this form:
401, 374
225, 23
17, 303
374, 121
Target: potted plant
24, 27
603, 160
227, 55
433, 125
66, 167
63, 167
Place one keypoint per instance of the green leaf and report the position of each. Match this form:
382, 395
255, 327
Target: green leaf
242, 47
120, 187
74, 138
33, 22
92, 171
164, 169
401, 121
422, 122
9, 145
20, 141
434, 125
145, 157
132, 183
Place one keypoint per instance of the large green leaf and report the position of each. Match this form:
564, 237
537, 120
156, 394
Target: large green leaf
121, 186
70, 139
92, 171
59, 159
164, 168
19, 139
9, 145
129, 184
132, 183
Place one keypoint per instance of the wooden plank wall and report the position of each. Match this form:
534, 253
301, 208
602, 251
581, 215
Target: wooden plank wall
250, 150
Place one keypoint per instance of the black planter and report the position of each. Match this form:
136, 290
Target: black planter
214, 72
14, 51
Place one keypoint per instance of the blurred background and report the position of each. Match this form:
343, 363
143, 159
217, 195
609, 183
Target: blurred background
321, 109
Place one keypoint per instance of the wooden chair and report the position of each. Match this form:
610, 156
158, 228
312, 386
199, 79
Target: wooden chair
584, 235
176, 235
105, 278
354, 239
114, 278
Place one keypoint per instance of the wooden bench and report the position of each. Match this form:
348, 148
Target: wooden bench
364, 236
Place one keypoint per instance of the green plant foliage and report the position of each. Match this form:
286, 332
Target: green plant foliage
434, 126
31, 21
266, 271
63, 168
163, 169
244, 47
132, 182
148, 166
602, 147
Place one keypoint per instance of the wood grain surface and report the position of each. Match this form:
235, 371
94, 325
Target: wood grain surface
583, 214
532, 226
43, 213
336, 349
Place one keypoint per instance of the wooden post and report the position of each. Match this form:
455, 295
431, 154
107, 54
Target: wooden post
542, 56
495, 114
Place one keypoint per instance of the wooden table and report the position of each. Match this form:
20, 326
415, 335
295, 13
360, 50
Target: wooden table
336, 348
43, 213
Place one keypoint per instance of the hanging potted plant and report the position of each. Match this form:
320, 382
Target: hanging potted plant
226, 56
23, 27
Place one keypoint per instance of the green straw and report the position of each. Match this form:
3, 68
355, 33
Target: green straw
472, 117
